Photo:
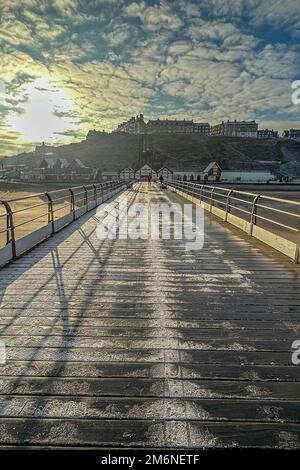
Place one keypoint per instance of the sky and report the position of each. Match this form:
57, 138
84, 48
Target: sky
67, 66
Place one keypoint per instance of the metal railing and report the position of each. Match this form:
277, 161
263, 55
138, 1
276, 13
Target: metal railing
48, 209
279, 216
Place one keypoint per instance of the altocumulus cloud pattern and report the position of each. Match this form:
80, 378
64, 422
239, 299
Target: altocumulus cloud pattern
67, 66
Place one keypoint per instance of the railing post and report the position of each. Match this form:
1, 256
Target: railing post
72, 203
297, 249
102, 192
193, 190
211, 199
201, 192
253, 214
85, 200
10, 228
50, 212
197, 191
95, 193
227, 207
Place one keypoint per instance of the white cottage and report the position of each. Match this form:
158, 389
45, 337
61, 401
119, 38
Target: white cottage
144, 172
166, 173
127, 174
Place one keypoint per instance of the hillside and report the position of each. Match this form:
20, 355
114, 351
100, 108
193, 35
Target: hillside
176, 151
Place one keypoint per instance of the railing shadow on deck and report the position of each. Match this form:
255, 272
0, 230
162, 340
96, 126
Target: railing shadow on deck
69, 327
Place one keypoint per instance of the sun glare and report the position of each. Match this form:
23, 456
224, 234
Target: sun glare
43, 117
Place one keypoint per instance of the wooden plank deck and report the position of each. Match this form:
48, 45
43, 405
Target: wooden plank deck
144, 343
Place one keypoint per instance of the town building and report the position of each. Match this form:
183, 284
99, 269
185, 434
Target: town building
172, 126
93, 135
235, 129
137, 125
77, 170
51, 169
43, 149
267, 133
202, 128
55, 163
59, 169
292, 134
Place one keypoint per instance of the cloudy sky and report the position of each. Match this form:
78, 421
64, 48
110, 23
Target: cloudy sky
67, 66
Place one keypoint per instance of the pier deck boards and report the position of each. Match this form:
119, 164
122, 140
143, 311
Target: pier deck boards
145, 343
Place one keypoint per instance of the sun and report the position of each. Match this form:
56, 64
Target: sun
44, 115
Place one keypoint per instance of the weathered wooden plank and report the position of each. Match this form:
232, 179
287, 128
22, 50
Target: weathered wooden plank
253, 335
136, 408
163, 342
152, 325
139, 433
154, 387
244, 372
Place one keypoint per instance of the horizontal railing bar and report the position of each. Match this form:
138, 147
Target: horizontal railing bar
240, 209
276, 199
79, 200
17, 211
30, 196
211, 196
241, 200
55, 201
31, 220
60, 208
277, 223
70, 195
218, 194
228, 190
247, 202
274, 209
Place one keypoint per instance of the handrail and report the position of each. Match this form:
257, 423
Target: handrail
246, 203
93, 193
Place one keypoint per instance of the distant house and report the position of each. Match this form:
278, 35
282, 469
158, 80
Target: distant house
78, 170
46, 163
144, 172
212, 172
56, 163
127, 174
165, 172
53, 168
56, 169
